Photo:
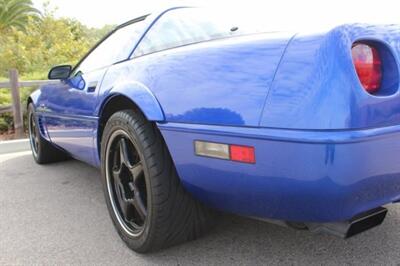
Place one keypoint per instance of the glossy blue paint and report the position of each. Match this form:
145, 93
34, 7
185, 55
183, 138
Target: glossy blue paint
299, 175
116, 83
316, 86
201, 76
68, 109
325, 149
34, 99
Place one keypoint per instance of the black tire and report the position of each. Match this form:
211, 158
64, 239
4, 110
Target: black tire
172, 216
43, 151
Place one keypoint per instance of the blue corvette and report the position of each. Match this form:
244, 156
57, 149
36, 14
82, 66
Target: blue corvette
186, 113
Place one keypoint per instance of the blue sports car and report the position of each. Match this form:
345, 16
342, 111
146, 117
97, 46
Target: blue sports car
186, 113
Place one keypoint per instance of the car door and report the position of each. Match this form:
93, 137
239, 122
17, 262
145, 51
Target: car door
69, 115
70, 105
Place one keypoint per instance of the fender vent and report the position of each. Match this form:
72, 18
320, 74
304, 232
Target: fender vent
41, 127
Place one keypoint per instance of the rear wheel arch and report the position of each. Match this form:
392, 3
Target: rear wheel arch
115, 103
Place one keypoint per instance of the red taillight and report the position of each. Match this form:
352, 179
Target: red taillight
242, 154
368, 66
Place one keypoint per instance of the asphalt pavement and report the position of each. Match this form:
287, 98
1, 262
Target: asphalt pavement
56, 214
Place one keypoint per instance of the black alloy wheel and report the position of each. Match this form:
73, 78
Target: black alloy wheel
147, 203
42, 150
126, 182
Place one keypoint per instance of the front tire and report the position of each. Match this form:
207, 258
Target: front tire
43, 151
146, 201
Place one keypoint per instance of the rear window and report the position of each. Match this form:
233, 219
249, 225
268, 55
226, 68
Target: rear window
184, 26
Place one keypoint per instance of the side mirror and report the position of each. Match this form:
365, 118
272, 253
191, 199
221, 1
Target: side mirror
60, 72
77, 82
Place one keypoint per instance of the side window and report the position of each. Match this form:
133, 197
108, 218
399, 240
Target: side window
115, 48
183, 26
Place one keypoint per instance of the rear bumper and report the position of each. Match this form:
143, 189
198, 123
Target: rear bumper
303, 176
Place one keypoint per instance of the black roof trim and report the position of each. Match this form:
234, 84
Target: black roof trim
132, 21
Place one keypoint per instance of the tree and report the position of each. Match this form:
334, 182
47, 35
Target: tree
39, 45
16, 13
45, 43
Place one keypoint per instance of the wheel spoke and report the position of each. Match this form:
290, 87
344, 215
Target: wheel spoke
136, 171
116, 176
128, 179
125, 204
124, 153
139, 206
137, 201
116, 163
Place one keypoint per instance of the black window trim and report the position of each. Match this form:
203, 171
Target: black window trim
132, 21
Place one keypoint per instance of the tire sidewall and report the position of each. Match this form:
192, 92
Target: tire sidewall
119, 121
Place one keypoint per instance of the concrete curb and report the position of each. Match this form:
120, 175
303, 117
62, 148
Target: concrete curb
11, 146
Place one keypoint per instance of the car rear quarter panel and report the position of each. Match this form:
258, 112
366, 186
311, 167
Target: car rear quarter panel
222, 82
316, 86
302, 176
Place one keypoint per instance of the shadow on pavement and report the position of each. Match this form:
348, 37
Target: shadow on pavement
56, 213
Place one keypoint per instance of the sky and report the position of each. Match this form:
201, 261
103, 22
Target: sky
289, 14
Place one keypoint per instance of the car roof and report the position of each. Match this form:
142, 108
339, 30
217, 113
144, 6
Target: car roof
157, 13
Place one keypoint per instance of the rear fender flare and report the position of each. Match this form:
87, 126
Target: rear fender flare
140, 95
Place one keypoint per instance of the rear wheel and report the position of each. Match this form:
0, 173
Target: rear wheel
43, 152
146, 201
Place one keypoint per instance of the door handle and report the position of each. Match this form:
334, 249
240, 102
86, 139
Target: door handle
92, 86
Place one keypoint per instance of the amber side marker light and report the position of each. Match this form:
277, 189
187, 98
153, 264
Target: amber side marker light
231, 152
